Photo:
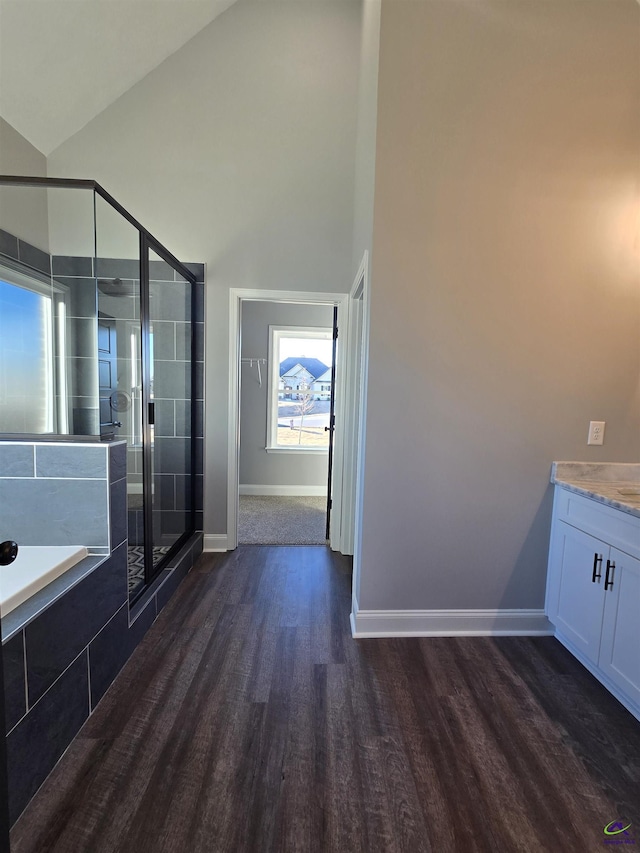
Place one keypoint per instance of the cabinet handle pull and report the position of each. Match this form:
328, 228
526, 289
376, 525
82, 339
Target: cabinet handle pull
608, 584
597, 564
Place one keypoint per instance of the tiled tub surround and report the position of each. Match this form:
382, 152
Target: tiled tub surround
615, 484
58, 474
35, 567
58, 493
63, 647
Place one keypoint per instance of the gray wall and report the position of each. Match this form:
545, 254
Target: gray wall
239, 151
505, 288
366, 131
363, 201
23, 212
257, 467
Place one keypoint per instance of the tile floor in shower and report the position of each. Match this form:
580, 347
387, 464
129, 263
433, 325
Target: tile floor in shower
135, 551
135, 559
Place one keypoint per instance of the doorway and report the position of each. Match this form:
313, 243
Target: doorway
249, 367
287, 371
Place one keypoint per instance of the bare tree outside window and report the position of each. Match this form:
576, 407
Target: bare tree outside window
306, 405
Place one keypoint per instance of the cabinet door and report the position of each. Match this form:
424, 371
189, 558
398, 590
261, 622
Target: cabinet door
620, 645
579, 601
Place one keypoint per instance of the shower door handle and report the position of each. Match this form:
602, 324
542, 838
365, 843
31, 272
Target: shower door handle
152, 413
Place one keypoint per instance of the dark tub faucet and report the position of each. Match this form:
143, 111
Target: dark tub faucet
8, 552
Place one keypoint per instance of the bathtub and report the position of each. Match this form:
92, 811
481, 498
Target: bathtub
34, 568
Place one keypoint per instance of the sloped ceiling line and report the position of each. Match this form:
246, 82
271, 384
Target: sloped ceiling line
63, 61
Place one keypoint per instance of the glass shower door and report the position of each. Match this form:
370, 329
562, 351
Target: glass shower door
170, 394
119, 355
143, 335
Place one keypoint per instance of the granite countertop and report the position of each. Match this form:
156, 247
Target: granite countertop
616, 484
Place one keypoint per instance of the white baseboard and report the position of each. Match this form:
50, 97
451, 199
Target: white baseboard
352, 620
285, 491
449, 623
215, 542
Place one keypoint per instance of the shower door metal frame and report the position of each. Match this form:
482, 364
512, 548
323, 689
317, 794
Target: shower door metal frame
80, 183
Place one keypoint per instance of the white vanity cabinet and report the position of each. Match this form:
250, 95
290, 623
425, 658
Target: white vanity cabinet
620, 643
576, 597
593, 590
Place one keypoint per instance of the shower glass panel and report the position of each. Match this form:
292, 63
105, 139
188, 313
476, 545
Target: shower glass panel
170, 297
119, 356
72, 248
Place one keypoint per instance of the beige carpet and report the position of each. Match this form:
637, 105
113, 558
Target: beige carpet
266, 520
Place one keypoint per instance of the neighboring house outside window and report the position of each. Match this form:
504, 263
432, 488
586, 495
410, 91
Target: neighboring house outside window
299, 389
321, 386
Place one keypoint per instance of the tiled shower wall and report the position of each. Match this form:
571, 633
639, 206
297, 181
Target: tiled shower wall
173, 371
172, 361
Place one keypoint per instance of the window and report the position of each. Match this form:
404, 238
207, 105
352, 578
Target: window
33, 377
297, 403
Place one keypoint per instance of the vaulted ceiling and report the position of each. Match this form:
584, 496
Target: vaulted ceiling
64, 61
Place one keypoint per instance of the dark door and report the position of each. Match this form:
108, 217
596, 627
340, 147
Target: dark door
332, 417
107, 374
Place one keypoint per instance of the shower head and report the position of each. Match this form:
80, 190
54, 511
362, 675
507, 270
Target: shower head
116, 287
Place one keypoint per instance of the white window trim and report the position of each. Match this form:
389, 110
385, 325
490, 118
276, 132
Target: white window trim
276, 333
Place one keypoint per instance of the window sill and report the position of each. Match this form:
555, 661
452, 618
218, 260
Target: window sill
293, 449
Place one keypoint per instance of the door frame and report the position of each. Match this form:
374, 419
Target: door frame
355, 419
236, 297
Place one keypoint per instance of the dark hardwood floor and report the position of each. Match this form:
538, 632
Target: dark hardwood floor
249, 720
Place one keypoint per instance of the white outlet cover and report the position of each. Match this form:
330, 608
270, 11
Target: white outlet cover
596, 432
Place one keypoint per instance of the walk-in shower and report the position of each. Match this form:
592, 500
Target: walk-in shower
101, 338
